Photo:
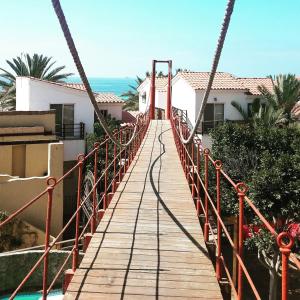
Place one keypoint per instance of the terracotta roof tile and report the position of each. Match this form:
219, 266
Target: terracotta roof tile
252, 83
78, 86
161, 83
226, 81
222, 81
108, 98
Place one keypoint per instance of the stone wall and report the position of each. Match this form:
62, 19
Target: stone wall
15, 266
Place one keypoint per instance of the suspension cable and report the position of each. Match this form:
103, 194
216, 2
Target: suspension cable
64, 26
221, 40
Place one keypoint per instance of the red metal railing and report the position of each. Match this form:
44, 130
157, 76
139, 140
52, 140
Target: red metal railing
113, 171
191, 156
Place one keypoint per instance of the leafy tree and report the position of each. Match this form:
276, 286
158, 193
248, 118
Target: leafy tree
38, 66
267, 159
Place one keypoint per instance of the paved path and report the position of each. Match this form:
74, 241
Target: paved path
149, 245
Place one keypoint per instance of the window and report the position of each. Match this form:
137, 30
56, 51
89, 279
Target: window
213, 115
104, 113
64, 119
144, 96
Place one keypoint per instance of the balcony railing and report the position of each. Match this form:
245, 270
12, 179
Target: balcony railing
70, 131
207, 125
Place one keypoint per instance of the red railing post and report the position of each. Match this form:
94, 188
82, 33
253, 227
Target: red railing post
285, 250
193, 170
241, 189
125, 151
198, 204
95, 204
105, 204
152, 92
218, 166
51, 183
115, 167
120, 162
169, 91
80, 160
206, 224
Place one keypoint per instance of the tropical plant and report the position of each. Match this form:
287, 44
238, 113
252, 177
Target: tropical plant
132, 95
261, 113
7, 100
285, 94
38, 66
274, 107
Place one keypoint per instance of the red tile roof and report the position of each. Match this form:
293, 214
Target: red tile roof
108, 98
225, 81
252, 83
78, 86
222, 81
161, 83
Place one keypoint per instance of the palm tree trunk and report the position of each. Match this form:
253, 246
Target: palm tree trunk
273, 284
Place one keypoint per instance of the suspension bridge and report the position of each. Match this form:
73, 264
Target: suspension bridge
149, 243
152, 212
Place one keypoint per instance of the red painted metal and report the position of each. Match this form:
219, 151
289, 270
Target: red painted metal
206, 224
81, 234
218, 166
169, 91
241, 191
198, 204
51, 183
285, 250
94, 219
152, 91
106, 174
80, 160
211, 208
115, 166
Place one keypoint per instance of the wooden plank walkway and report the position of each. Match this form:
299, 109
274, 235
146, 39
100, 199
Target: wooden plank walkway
149, 244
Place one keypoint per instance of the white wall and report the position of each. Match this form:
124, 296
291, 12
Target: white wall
160, 97
113, 109
38, 95
72, 148
225, 97
145, 88
183, 97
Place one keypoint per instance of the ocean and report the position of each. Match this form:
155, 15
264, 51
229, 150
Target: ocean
117, 86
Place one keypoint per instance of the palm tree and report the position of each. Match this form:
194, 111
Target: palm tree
276, 107
285, 94
38, 66
132, 95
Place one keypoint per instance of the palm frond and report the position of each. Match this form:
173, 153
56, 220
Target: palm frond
240, 109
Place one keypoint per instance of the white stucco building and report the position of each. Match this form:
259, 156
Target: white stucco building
187, 93
161, 85
74, 111
188, 90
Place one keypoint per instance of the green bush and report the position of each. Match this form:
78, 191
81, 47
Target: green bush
267, 160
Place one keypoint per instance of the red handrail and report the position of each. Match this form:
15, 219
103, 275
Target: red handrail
208, 206
117, 167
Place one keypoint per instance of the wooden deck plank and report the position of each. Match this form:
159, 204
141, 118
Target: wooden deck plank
149, 244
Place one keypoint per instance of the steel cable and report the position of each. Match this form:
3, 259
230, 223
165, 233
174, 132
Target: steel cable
64, 26
221, 40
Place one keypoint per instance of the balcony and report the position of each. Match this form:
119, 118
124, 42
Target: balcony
208, 125
70, 131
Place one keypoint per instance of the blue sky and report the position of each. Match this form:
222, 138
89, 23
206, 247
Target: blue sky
117, 38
